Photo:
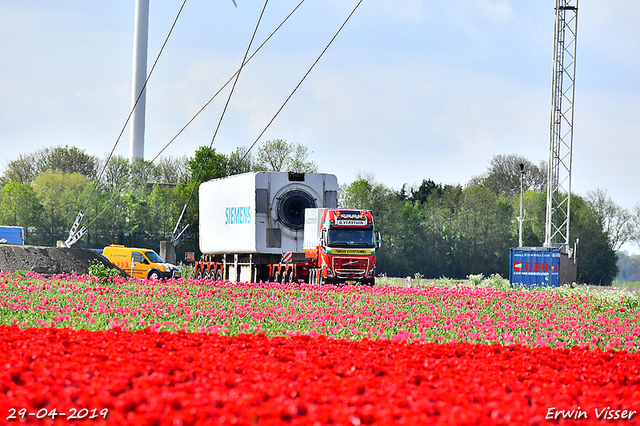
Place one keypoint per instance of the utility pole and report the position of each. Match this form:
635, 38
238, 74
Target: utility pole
521, 217
561, 141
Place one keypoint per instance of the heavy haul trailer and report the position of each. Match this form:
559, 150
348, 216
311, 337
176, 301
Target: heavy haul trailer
252, 227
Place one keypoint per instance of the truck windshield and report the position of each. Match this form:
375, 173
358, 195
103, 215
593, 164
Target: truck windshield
346, 237
153, 257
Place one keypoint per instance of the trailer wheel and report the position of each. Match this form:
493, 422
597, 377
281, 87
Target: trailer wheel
276, 276
207, 274
311, 277
199, 274
284, 277
219, 274
290, 276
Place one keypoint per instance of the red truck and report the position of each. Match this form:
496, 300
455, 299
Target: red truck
283, 227
340, 246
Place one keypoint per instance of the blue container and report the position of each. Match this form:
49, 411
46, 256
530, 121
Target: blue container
534, 267
11, 235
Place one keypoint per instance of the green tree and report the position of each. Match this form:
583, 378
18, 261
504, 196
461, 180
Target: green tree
141, 173
629, 267
278, 155
616, 221
597, 261
503, 175
484, 220
137, 219
21, 170
64, 159
59, 193
19, 206
160, 203
172, 169
357, 195
213, 165
241, 161
534, 211
67, 159
116, 173
180, 196
426, 189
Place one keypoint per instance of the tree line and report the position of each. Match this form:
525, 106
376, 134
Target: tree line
133, 203
433, 229
453, 230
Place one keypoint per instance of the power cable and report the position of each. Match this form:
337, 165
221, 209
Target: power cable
296, 88
236, 74
178, 231
228, 81
144, 86
80, 214
73, 237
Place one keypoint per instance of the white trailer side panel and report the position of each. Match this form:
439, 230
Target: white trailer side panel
227, 215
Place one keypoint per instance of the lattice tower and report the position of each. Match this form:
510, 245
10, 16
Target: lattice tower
561, 141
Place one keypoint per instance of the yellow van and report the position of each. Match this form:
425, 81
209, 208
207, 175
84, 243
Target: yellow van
141, 263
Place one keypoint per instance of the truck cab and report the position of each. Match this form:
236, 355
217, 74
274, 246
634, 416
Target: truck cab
343, 244
141, 263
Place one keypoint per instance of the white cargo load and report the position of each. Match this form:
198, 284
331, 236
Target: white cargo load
312, 225
261, 212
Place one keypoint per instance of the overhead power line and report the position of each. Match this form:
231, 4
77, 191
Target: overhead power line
74, 233
179, 231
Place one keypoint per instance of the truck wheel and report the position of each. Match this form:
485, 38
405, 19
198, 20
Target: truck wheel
154, 275
219, 275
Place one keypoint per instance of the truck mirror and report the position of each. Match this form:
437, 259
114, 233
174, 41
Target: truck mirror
379, 238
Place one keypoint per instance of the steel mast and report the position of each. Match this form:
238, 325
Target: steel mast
561, 141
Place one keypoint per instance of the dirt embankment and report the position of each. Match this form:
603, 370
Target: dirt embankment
49, 260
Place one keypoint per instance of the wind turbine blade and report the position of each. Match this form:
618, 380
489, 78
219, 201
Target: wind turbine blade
234, 3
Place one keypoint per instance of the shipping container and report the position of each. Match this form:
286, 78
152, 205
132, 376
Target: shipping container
534, 267
11, 235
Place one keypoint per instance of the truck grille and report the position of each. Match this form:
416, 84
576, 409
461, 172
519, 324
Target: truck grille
349, 267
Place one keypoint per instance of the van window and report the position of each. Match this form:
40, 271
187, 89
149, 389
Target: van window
138, 257
153, 257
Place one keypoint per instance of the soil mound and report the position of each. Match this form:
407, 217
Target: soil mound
49, 260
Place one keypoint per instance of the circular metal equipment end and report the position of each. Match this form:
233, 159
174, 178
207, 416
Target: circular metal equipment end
291, 208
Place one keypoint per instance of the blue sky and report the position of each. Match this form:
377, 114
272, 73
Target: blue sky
409, 90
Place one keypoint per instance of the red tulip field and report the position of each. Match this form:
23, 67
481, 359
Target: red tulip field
77, 350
